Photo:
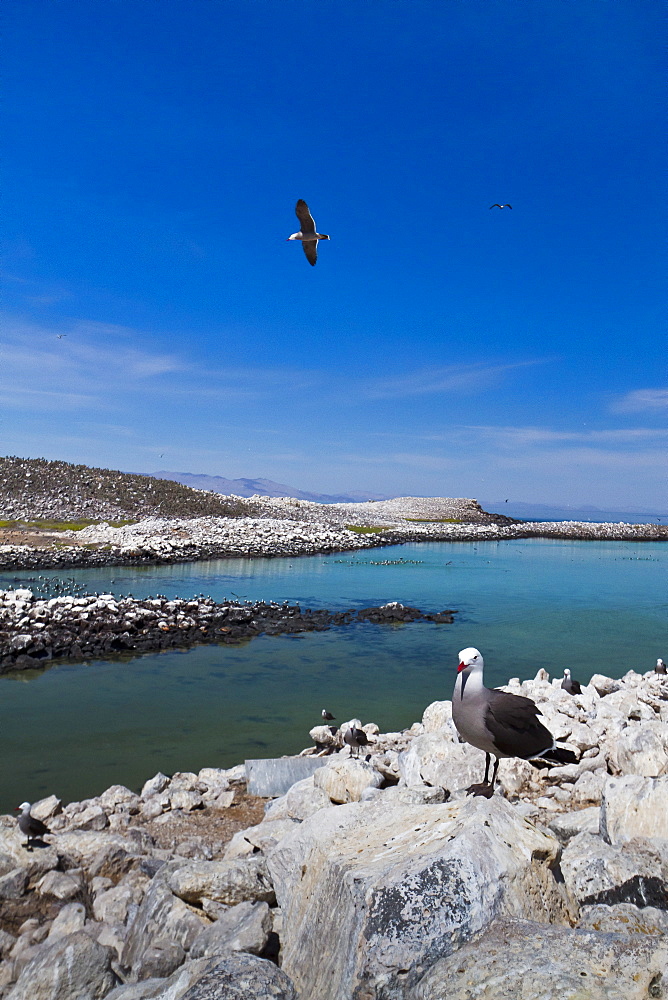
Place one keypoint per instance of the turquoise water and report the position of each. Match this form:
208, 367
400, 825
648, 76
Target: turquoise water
74, 730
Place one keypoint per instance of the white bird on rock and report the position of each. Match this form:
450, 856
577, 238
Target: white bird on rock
501, 724
307, 233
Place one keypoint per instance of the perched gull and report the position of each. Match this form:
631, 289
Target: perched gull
496, 205
32, 827
307, 233
660, 667
355, 738
503, 725
327, 716
568, 684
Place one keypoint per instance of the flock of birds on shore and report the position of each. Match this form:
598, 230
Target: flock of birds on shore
496, 722
309, 236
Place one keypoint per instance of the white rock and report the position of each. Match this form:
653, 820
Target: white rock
640, 751
634, 806
604, 685
391, 887
344, 780
70, 919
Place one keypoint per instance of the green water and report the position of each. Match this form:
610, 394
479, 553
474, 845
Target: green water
74, 730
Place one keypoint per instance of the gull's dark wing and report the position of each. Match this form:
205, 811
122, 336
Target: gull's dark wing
310, 248
495, 205
513, 722
305, 218
509, 206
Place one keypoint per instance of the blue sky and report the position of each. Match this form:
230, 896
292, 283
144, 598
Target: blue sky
155, 150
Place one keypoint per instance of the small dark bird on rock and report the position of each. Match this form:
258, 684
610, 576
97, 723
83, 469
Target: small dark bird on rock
496, 205
660, 667
355, 738
327, 716
33, 828
568, 684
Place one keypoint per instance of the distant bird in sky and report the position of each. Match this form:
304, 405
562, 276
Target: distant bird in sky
307, 233
59, 336
327, 716
496, 205
32, 827
568, 684
660, 667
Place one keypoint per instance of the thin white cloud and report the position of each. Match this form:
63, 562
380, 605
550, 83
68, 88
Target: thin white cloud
653, 400
447, 378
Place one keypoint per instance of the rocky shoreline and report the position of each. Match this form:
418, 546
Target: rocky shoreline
154, 541
35, 631
556, 887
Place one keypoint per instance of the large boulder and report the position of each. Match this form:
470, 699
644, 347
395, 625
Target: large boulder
634, 806
71, 967
392, 888
528, 960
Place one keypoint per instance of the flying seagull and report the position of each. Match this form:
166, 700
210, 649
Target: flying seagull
568, 684
32, 827
307, 233
496, 205
501, 724
327, 716
59, 336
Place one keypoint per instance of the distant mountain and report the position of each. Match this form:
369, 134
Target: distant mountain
550, 512
263, 487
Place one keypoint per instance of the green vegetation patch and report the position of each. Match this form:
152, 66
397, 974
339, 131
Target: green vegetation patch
363, 529
435, 520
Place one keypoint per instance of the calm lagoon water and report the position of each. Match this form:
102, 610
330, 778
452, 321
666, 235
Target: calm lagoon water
74, 730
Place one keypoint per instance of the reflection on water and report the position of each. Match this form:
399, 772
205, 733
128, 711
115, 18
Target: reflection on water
74, 730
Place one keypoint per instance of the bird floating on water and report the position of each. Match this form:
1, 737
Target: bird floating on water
496, 205
32, 827
307, 234
501, 724
568, 684
327, 716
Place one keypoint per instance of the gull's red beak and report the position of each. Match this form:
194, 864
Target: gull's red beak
462, 666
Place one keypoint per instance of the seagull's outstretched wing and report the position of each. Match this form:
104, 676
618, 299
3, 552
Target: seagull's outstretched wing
495, 205
310, 248
305, 218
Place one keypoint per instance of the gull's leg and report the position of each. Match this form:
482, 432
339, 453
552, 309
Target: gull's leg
484, 787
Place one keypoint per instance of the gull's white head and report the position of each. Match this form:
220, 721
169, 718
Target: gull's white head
24, 807
567, 673
470, 658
